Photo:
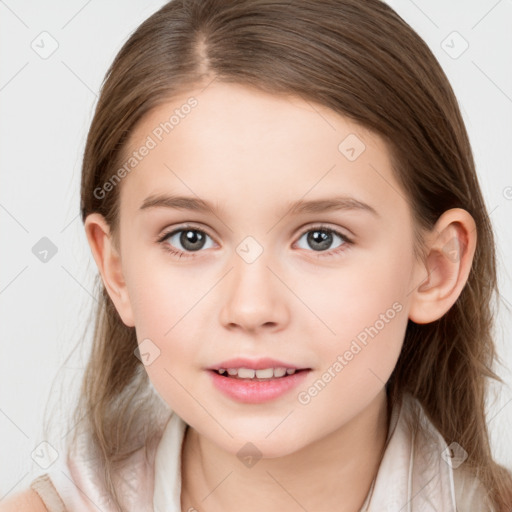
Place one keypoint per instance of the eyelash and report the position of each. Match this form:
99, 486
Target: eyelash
176, 252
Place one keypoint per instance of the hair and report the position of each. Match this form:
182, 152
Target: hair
363, 61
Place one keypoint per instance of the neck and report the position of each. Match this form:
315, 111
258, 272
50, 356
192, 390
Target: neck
333, 473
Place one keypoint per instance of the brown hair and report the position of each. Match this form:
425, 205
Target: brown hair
363, 61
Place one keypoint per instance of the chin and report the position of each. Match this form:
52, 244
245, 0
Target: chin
259, 444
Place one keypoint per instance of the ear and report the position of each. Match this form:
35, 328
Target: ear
108, 261
450, 249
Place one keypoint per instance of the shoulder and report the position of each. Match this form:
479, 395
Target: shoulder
24, 501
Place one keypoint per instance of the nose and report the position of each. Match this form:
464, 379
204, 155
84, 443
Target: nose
253, 297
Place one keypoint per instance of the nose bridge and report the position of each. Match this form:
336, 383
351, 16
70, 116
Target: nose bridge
251, 265
254, 297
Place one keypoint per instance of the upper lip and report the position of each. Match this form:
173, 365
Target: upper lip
255, 364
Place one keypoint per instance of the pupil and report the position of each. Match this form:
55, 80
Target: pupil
192, 240
322, 238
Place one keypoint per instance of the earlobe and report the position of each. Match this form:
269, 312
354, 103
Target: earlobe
108, 261
450, 249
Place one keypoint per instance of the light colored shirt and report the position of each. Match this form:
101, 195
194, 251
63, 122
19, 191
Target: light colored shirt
418, 473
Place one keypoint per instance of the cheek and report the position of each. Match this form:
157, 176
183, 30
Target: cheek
161, 291
365, 307
168, 304
367, 311
165, 310
355, 295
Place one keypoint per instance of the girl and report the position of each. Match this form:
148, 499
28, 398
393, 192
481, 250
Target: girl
297, 273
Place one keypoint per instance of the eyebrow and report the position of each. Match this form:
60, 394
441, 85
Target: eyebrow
294, 208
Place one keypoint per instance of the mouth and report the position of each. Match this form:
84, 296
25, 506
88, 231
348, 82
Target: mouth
251, 386
261, 375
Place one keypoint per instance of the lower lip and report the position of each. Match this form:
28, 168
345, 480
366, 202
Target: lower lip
255, 392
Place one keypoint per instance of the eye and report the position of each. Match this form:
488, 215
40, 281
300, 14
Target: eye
321, 238
191, 240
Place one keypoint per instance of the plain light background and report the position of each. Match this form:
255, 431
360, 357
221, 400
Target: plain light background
47, 103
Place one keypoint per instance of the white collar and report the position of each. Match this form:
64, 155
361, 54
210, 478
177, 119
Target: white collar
167, 493
412, 475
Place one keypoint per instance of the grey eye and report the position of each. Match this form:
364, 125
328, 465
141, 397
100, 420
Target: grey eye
321, 239
191, 240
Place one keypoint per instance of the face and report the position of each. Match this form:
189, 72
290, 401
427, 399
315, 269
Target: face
320, 289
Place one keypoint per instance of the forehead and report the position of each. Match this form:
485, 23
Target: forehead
234, 145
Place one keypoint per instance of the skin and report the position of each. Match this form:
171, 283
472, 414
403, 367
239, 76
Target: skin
251, 153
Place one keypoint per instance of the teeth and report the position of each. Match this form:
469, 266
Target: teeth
279, 372
249, 373
246, 373
263, 374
